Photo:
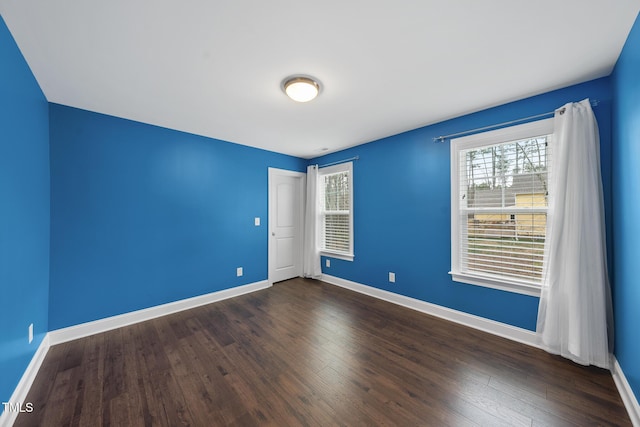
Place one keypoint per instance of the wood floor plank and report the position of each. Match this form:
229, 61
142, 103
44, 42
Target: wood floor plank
308, 353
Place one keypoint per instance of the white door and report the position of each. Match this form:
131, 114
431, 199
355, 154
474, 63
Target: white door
286, 208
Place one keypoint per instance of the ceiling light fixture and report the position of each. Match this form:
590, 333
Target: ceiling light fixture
301, 88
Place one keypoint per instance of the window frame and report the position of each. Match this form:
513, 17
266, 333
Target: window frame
477, 141
322, 172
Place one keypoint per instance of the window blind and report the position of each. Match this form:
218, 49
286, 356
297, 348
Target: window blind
336, 199
503, 199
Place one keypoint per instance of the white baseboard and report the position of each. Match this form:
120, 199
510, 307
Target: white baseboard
7, 418
79, 331
491, 326
102, 325
496, 328
626, 393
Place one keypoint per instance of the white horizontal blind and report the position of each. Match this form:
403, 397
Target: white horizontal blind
335, 195
502, 203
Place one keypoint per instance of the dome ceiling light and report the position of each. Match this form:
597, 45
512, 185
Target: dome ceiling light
301, 88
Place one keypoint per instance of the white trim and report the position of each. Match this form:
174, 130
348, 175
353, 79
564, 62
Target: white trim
337, 255
82, 330
24, 385
626, 393
102, 325
491, 326
516, 287
496, 328
506, 134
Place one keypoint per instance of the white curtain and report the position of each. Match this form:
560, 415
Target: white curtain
575, 316
311, 253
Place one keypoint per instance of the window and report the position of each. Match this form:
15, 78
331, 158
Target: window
336, 210
499, 194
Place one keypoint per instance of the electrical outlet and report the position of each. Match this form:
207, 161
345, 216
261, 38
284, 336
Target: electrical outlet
327, 262
30, 333
239, 271
392, 277
256, 221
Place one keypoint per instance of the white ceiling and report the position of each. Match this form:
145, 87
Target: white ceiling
215, 67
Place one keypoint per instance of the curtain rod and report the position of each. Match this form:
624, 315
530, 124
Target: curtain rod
594, 103
339, 161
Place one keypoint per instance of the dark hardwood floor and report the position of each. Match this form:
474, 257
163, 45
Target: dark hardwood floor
308, 353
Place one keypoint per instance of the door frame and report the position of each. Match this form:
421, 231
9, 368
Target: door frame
301, 212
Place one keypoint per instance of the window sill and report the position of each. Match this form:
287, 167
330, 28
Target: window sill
337, 255
488, 282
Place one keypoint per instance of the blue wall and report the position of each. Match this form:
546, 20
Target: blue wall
626, 179
24, 214
143, 215
402, 209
